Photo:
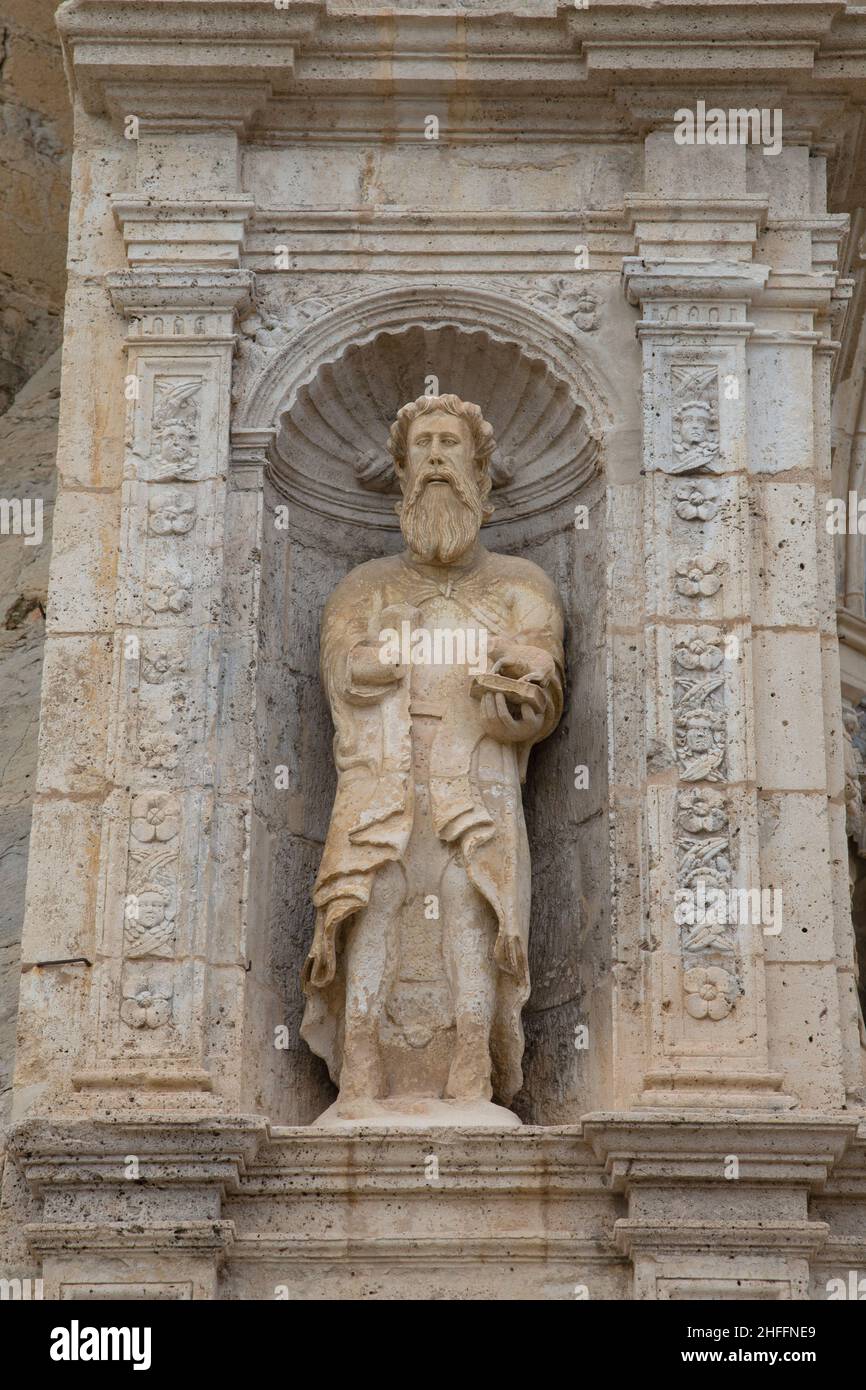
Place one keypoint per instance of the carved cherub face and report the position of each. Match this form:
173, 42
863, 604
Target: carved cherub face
175, 442
699, 737
151, 908
693, 425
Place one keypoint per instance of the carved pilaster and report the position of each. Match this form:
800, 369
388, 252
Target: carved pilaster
707, 1024
155, 907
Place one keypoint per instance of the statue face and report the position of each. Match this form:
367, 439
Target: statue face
699, 738
442, 507
693, 427
439, 443
175, 445
151, 909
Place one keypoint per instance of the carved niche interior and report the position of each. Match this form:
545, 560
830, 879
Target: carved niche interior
330, 474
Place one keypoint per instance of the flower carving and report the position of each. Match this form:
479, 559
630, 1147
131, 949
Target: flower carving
155, 817
160, 751
169, 591
162, 667
701, 808
698, 577
708, 992
172, 514
702, 653
694, 502
145, 1010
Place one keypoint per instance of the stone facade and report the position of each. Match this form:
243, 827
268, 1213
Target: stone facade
283, 227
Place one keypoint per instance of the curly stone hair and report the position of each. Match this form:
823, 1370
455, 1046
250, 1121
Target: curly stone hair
482, 432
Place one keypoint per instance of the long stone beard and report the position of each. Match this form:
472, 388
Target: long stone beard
441, 523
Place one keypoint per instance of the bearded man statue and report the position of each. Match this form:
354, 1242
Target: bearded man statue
443, 666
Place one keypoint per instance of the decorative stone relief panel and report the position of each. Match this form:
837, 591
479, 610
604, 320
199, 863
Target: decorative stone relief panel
153, 900
705, 963
695, 418
699, 707
700, 427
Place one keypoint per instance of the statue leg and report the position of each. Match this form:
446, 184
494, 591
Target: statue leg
372, 959
469, 933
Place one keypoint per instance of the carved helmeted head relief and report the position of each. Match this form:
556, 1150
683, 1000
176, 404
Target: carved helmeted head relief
441, 447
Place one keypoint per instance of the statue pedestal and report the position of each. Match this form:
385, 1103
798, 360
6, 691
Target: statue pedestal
417, 1112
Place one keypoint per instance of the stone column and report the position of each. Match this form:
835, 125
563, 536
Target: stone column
742, 788
161, 650
174, 665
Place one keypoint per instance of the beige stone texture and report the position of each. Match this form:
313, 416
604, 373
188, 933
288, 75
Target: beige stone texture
279, 232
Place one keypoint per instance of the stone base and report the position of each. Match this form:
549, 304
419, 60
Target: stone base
690, 1205
417, 1112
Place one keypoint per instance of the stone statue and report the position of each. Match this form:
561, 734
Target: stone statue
442, 666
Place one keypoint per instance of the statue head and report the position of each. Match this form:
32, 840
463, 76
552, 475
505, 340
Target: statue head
694, 419
176, 440
441, 448
153, 906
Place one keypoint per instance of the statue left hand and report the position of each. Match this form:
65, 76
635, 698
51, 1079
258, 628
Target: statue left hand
501, 724
521, 661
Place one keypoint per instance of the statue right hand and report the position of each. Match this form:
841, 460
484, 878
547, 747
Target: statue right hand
377, 661
372, 666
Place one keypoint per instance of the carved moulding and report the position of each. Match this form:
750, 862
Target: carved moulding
694, 418
284, 306
699, 707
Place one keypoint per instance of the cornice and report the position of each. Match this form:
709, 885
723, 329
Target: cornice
171, 1151
130, 1237
499, 47
674, 1237
656, 1148
133, 292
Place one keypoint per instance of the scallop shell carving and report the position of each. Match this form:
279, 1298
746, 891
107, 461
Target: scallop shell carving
332, 455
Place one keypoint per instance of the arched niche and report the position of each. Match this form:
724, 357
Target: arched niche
332, 400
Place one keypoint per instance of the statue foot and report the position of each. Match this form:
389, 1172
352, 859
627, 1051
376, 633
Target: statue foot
469, 1075
356, 1109
361, 1079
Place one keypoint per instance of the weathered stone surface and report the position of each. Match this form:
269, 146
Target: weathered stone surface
276, 239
